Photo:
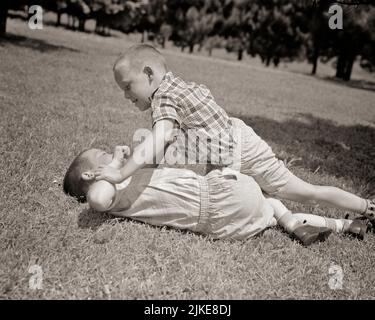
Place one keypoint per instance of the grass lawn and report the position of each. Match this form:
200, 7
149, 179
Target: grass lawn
58, 96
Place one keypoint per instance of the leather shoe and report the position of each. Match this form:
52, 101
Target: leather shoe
308, 234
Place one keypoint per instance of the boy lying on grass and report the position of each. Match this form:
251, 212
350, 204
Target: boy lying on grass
142, 73
222, 204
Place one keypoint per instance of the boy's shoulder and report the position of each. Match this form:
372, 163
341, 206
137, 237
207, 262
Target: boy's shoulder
170, 86
170, 82
176, 87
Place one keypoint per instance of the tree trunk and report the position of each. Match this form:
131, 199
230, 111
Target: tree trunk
315, 61
82, 23
268, 61
349, 67
191, 48
3, 18
69, 21
341, 63
58, 22
276, 61
210, 51
200, 47
240, 54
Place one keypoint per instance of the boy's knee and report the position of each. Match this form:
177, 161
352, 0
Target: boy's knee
304, 192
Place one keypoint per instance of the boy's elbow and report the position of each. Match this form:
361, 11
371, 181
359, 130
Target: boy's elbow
99, 203
169, 137
165, 131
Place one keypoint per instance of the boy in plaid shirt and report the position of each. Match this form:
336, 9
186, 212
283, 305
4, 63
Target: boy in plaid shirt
142, 74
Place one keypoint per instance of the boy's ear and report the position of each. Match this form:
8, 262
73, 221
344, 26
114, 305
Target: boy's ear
88, 176
149, 72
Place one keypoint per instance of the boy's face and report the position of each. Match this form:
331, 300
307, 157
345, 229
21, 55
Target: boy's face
98, 157
137, 86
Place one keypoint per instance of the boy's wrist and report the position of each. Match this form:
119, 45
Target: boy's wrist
116, 164
120, 155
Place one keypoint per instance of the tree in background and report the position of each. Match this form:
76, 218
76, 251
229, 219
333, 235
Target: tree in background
356, 39
279, 32
368, 53
274, 30
4, 7
212, 23
184, 17
314, 21
237, 25
152, 15
58, 6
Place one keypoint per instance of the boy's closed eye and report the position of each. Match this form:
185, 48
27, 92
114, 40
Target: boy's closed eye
125, 85
127, 90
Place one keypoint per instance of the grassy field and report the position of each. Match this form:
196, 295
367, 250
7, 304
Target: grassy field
58, 96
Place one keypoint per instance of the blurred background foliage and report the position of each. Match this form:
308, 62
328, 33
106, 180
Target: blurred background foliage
274, 30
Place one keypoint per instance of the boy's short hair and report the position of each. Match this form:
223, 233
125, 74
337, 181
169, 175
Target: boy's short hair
139, 55
74, 185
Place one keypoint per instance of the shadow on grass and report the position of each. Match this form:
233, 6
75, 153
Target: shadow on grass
90, 219
31, 43
323, 146
356, 84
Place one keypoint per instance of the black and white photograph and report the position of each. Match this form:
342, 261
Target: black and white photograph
201, 151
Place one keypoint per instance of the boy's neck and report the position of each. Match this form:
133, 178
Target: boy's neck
158, 79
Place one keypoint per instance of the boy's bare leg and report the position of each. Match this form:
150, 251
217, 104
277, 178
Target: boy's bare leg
301, 191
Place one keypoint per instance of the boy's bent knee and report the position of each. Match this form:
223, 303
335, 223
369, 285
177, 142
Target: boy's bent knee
300, 191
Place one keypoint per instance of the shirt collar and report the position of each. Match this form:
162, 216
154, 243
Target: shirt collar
166, 78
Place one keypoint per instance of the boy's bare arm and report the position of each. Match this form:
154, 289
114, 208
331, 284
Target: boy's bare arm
120, 156
152, 147
102, 193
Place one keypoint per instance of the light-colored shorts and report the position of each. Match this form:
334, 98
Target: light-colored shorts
232, 206
254, 157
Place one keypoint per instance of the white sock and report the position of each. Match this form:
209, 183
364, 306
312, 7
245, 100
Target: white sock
288, 221
338, 225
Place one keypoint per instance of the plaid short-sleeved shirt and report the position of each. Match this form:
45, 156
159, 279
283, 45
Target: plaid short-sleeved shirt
193, 107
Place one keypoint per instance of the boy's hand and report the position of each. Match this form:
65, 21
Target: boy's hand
109, 174
120, 155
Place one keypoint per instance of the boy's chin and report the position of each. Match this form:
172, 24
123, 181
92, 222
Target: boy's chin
143, 107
